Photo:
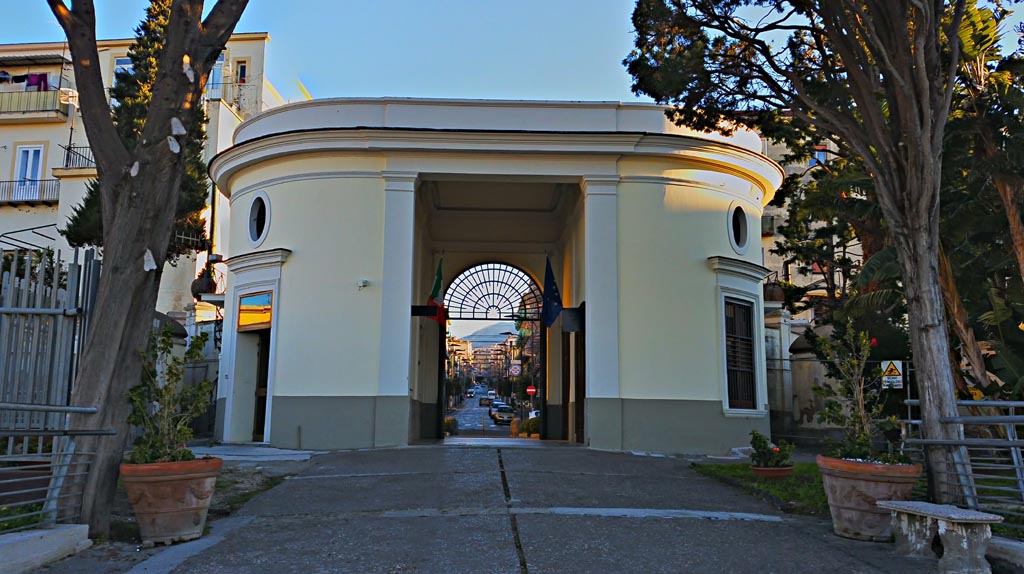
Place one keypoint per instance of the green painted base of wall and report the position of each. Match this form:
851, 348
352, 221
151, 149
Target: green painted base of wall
218, 421
670, 426
339, 422
555, 418
426, 420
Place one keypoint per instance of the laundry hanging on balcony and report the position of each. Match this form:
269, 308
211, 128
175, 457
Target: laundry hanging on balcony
33, 82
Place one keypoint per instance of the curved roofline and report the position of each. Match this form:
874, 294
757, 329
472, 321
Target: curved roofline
605, 142
408, 100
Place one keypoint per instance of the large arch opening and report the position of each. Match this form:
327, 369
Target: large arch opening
494, 351
491, 236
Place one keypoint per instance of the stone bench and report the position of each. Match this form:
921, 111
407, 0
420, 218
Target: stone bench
964, 533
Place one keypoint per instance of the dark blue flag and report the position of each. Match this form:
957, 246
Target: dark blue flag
552, 298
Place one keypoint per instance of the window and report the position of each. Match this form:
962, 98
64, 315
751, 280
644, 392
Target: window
259, 218
122, 66
214, 84
28, 170
255, 311
738, 232
739, 354
819, 157
241, 71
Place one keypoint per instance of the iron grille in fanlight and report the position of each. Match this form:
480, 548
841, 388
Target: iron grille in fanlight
493, 291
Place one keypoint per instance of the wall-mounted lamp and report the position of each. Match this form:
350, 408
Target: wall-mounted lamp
362, 284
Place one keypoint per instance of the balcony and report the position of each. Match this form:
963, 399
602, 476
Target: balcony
30, 192
78, 157
242, 97
16, 107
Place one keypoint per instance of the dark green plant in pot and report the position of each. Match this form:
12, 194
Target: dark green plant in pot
767, 456
853, 398
165, 407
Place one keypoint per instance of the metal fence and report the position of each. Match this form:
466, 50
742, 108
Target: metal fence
988, 467
77, 157
42, 477
43, 309
30, 191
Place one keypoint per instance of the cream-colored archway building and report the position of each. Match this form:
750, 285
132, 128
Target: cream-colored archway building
341, 209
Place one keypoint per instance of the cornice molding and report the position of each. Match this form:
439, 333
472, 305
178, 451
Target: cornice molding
757, 169
738, 268
402, 181
257, 259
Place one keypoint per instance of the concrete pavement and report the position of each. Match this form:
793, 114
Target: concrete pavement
503, 509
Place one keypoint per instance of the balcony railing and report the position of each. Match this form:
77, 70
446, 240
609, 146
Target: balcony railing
77, 157
242, 97
30, 191
25, 102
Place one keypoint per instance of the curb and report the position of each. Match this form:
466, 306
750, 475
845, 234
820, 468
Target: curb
30, 549
1006, 551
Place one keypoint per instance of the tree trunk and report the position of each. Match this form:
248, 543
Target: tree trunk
122, 320
1007, 193
930, 343
139, 192
960, 325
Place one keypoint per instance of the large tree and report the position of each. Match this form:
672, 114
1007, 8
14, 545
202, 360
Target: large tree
131, 95
877, 76
139, 189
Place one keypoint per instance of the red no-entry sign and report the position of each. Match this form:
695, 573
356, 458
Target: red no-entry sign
531, 390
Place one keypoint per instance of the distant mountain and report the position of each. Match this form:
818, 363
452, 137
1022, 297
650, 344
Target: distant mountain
490, 334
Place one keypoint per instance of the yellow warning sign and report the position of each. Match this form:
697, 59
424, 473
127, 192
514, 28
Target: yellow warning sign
892, 370
892, 377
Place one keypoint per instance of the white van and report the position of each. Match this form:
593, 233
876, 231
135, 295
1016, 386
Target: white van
491, 394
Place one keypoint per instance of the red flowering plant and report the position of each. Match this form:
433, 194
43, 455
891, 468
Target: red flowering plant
767, 456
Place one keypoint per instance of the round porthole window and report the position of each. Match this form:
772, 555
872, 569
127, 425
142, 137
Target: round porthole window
738, 232
259, 218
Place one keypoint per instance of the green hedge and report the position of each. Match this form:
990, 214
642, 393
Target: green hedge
531, 426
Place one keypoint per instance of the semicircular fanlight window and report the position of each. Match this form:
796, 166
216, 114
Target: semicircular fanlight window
493, 291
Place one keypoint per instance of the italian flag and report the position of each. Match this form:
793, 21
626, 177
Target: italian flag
435, 296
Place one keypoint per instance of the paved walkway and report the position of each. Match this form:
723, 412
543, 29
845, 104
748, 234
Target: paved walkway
502, 509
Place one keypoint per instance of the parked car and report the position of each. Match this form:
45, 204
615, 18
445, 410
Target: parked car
503, 415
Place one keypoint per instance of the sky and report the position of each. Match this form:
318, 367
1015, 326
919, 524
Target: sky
495, 49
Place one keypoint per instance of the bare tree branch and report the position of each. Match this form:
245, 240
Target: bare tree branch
79, 24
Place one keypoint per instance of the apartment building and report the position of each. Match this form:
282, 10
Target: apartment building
46, 160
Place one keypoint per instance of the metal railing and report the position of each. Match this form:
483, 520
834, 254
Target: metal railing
988, 468
24, 102
242, 97
44, 308
30, 191
76, 157
42, 477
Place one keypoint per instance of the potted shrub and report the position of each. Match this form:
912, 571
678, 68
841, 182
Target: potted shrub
169, 489
451, 426
856, 474
769, 461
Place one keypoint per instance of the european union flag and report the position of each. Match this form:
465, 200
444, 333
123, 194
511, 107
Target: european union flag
552, 304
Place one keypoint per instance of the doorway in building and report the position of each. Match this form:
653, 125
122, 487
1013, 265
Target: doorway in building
494, 354
259, 417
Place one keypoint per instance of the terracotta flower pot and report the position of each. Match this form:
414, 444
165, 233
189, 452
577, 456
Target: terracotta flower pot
772, 471
854, 487
171, 499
